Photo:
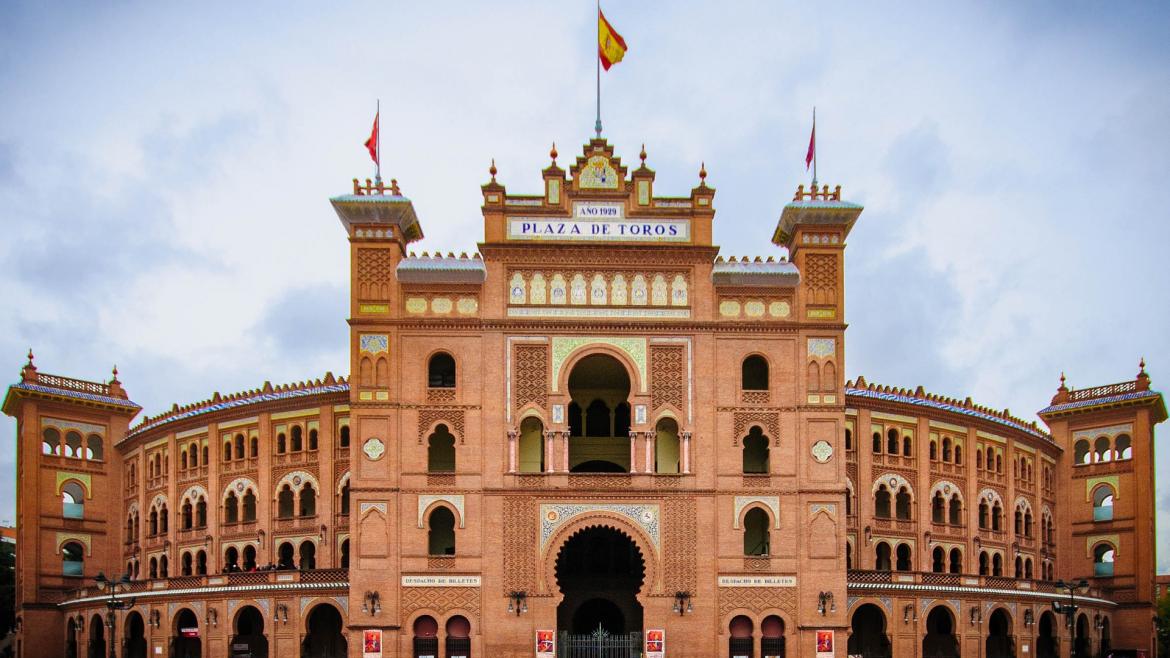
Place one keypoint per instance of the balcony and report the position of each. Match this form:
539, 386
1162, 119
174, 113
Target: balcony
293, 578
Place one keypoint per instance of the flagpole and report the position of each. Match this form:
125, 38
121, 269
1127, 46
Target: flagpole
378, 162
597, 56
814, 182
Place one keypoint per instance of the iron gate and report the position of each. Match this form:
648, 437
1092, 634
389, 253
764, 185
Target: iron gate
599, 644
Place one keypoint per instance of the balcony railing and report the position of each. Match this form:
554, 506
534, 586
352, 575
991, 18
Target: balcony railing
71, 384
875, 577
1094, 392
248, 578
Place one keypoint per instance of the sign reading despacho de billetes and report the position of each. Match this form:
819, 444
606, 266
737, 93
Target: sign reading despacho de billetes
599, 222
757, 581
440, 581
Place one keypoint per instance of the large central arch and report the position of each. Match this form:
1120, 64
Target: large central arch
599, 386
600, 573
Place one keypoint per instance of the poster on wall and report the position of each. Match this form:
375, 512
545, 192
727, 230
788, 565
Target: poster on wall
546, 644
656, 643
372, 643
824, 644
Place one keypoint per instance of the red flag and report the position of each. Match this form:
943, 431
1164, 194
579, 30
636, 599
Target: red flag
372, 142
812, 147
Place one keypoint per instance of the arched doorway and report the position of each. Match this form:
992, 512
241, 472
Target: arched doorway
325, 637
741, 638
97, 637
134, 642
1046, 636
185, 640
71, 639
772, 637
869, 633
599, 416
1000, 643
600, 572
1082, 644
458, 637
426, 637
249, 639
940, 640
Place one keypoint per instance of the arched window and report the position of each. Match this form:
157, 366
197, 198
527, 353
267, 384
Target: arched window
956, 561
1019, 570
1081, 452
153, 522
998, 462
772, 636
1103, 503
249, 506
848, 556
185, 565
531, 450
979, 458
892, 441
907, 446
997, 565
255, 447
1028, 568
298, 441
755, 532
94, 443
666, 447
441, 371
958, 454
933, 451
187, 515
51, 442
308, 500
345, 554
441, 532
164, 519
877, 443
231, 508
231, 559
307, 556
984, 511
201, 513
848, 439
754, 373
946, 449
281, 444
1123, 447
441, 451
249, 558
239, 441
153, 568
1019, 521
881, 502
938, 508
904, 558
883, 561
345, 498
284, 502
755, 451
227, 451
997, 517
741, 636
73, 445
72, 559
194, 451
902, 504
284, 556
938, 562
72, 501
956, 510
164, 567
1102, 451
344, 441
312, 439
182, 460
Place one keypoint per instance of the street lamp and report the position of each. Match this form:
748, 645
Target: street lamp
1069, 610
113, 604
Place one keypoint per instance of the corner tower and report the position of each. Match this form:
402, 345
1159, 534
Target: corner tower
68, 504
1105, 522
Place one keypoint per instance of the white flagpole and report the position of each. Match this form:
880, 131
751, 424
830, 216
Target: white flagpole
814, 184
378, 144
597, 56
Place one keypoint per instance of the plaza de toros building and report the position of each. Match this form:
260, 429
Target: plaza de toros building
594, 432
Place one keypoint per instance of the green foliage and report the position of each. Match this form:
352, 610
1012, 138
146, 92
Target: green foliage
1164, 623
7, 587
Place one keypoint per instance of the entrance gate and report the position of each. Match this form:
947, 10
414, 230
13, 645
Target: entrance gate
599, 644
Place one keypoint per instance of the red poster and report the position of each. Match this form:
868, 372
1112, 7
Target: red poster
546, 644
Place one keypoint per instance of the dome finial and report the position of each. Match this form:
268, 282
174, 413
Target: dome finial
553, 154
643, 154
1142, 366
492, 170
30, 357
703, 174
115, 372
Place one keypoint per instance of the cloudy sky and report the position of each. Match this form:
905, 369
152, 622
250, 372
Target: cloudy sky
164, 172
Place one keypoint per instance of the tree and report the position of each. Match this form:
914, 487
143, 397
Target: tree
1164, 622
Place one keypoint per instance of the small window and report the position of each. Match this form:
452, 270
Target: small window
1123, 448
297, 438
902, 504
755, 373
308, 500
94, 446
884, 561
881, 502
231, 508
312, 439
956, 561
877, 443
307, 556
72, 559
441, 532
249, 506
255, 452
441, 451
73, 445
239, 444
345, 498
755, 532
284, 502
51, 442
344, 441
1103, 503
755, 451
441, 371
905, 562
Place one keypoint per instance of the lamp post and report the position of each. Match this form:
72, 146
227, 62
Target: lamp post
1070, 609
113, 604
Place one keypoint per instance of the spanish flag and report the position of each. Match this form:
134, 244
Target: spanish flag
611, 47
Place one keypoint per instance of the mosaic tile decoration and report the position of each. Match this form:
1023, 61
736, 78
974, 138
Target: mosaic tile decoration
1096, 401
822, 347
231, 404
555, 515
375, 343
935, 404
771, 502
634, 348
455, 500
92, 397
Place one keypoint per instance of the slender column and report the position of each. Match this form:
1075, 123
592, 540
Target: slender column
512, 451
686, 451
633, 451
565, 449
548, 451
650, 438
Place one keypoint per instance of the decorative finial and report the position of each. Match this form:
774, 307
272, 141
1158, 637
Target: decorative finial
703, 174
492, 170
553, 153
1062, 378
643, 154
30, 356
394, 187
1142, 366
115, 372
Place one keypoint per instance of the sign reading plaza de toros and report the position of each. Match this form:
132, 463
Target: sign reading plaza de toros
599, 221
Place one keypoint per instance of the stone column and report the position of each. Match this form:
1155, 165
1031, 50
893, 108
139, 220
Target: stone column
512, 451
649, 437
565, 449
548, 450
686, 451
633, 451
